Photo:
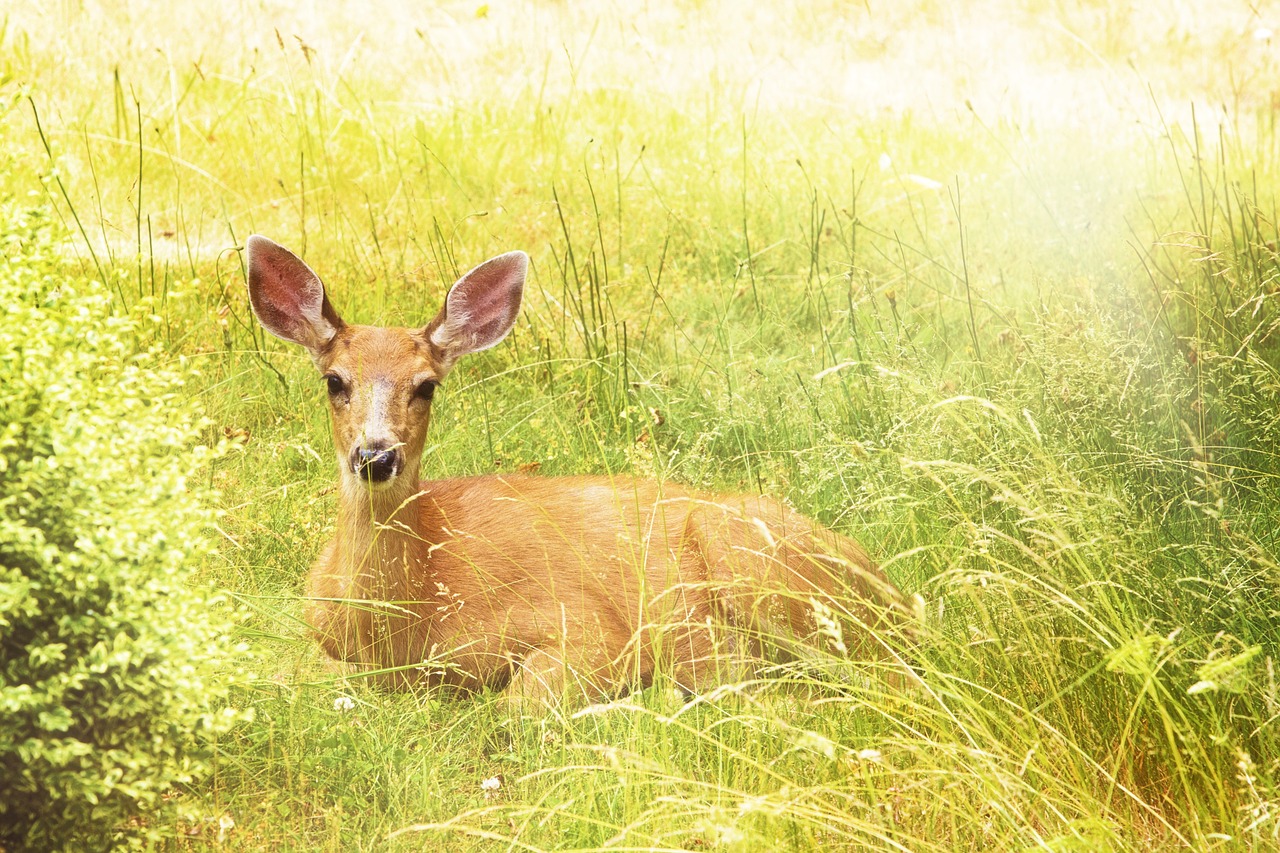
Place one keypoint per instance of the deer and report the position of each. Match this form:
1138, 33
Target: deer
531, 585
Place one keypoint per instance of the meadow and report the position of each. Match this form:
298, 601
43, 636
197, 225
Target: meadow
990, 287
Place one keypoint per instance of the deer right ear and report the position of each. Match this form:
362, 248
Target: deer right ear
287, 297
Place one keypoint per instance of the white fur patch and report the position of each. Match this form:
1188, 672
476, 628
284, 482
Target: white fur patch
376, 426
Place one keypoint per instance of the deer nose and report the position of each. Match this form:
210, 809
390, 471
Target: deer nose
376, 464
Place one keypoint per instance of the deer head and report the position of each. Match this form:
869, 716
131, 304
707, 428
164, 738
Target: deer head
381, 380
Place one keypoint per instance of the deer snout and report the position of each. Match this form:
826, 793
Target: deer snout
376, 463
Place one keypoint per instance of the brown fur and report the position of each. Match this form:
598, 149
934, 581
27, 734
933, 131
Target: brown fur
491, 578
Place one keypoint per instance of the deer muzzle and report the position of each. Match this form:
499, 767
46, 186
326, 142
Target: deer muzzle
376, 464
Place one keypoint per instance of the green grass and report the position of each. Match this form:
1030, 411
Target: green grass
976, 286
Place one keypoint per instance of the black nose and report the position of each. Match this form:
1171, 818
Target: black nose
376, 464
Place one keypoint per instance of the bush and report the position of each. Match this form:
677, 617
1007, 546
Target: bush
108, 694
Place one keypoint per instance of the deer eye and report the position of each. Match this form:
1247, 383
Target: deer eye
334, 384
425, 390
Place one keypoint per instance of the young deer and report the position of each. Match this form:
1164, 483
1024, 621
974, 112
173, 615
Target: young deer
537, 584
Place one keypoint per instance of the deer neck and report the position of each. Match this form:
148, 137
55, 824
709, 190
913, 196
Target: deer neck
380, 536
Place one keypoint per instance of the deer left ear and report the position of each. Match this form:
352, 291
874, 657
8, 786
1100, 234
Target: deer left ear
481, 307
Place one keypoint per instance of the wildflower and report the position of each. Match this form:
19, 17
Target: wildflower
343, 703
490, 786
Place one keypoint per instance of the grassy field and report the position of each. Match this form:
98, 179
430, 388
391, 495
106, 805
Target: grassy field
989, 286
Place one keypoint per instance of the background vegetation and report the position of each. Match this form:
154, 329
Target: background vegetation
990, 286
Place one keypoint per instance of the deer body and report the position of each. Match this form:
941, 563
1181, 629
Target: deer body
534, 584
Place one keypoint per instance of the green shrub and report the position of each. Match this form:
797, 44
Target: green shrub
108, 692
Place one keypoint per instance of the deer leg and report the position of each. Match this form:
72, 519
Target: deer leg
703, 656
699, 643
543, 677
537, 678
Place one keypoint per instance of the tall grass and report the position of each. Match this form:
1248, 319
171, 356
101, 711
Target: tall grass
1020, 345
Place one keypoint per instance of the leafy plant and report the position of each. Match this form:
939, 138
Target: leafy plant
107, 654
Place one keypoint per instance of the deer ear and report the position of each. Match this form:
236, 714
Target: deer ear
481, 307
287, 297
